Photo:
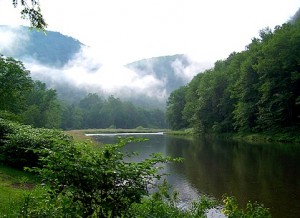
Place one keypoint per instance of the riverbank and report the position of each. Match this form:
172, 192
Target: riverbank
287, 136
65, 161
80, 134
291, 136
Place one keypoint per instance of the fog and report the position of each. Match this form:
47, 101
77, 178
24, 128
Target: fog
12, 40
89, 74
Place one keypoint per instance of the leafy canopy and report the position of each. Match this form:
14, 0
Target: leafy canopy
31, 11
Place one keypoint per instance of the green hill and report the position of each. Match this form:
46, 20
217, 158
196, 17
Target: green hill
50, 48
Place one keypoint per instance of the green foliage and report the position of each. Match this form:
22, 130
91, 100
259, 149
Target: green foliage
256, 90
30, 102
231, 209
175, 106
200, 207
38, 203
161, 203
25, 100
99, 182
95, 112
19, 143
81, 181
85, 180
14, 185
32, 12
43, 107
14, 83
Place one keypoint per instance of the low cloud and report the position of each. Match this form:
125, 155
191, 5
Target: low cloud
13, 40
85, 72
88, 73
296, 16
186, 68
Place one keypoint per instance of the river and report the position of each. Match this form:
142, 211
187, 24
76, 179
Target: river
266, 173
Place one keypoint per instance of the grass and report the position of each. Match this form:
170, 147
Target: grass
79, 135
14, 186
183, 132
136, 130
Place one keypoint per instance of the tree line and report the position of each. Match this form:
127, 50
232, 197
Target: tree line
31, 102
256, 90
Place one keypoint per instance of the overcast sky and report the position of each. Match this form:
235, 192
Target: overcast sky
122, 31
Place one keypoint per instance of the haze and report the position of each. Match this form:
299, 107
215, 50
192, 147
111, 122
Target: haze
119, 32
125, 31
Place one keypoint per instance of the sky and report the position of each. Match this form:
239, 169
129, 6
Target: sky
123, 31
118, 32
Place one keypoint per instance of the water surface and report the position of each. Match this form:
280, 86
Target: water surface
267, 173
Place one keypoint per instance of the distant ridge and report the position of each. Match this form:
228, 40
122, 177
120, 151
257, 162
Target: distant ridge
50, 48
53, 57
163, 68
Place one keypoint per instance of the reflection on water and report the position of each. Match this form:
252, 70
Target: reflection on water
267, 173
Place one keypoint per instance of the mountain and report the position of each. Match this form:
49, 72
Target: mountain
164, 68
70, 67
296, 17
49, 48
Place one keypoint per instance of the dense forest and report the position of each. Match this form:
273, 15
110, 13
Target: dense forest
30, 102
256, 90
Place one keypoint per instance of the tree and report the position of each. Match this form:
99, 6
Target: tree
43, 109
91, 106
191, 98
175, 106
14, 83
279, 75
72, 117
32, 12
245, 90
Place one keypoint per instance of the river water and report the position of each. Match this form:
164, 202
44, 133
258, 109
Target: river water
266, 173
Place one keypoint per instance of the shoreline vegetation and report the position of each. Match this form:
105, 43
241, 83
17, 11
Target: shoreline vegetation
281, 137
46, 172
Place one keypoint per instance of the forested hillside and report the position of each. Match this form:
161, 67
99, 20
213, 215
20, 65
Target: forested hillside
49, 48
164, 68
256, 90
31, 102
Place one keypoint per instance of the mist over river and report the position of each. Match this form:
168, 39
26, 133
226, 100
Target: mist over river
266, 173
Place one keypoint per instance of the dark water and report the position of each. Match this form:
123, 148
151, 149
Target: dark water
266, 173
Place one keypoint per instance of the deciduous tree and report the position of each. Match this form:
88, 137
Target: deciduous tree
31, 11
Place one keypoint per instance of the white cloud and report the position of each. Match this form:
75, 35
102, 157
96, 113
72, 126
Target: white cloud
12, 40
86, 72
125, 31
187, 71
119, 32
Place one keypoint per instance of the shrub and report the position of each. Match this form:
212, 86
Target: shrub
81, 181
231, 209
100, 182
162, 203
19, 143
